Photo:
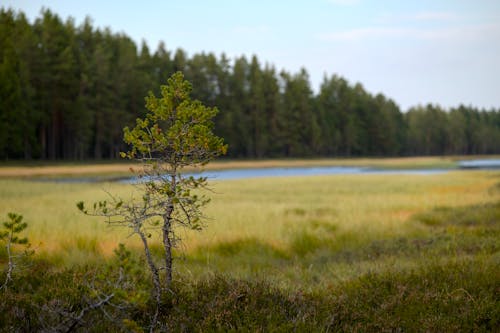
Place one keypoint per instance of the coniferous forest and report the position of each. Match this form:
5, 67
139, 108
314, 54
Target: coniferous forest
67, 91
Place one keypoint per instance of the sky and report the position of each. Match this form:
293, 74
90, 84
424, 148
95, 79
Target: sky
444, 52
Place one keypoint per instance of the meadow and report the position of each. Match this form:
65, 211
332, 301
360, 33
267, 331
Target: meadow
321, 253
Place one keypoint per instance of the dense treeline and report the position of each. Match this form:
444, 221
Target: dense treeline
67, 91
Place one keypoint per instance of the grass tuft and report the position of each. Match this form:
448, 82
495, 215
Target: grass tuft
468, 216
250, 246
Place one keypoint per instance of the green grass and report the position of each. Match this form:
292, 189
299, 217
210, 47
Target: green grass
363, 253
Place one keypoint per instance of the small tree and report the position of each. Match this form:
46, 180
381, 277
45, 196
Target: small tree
9, 234
175, 133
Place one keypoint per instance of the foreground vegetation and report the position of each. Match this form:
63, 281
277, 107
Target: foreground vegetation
323, 253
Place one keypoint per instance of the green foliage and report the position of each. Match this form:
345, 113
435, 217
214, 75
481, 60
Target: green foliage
110, 296
12, 228
176, 129
9, 235
67, 91
175, 133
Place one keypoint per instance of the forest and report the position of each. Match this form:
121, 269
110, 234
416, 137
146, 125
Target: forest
67, 91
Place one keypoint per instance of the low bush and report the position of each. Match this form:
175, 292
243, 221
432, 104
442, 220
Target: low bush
455, 295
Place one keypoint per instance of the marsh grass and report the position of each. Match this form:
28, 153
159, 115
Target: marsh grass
469, 216
322, 230
295, 216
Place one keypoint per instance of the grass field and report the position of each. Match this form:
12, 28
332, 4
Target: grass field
272, 211
368, 249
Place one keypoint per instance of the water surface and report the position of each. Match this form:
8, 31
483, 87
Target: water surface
248, 173
308, 171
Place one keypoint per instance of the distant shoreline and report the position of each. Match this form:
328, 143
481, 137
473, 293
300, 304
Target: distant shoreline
114, 169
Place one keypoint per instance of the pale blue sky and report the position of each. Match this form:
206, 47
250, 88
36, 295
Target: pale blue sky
439, 51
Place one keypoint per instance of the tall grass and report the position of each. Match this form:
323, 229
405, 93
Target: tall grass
297, 215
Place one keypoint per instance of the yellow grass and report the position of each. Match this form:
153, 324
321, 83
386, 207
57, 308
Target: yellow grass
366, 205
271, 210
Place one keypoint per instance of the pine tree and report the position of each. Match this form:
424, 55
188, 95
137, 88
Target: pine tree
176, 133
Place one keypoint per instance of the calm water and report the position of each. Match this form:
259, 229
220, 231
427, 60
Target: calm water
301, 171
307, 171
480, 164
335, 170
311, 171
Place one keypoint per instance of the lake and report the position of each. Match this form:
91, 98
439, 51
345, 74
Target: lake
480, 164
227, 174
307, 171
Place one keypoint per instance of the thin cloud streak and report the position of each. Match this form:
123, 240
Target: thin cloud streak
472, 32
444, 17
435, 16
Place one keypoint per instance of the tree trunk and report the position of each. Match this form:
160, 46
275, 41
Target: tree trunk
167, 230
167, 245
43, 142
155, 276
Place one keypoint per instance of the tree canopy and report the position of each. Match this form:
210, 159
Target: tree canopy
67, 90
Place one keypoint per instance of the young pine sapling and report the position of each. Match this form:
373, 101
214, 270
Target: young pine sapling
9, 235
177, 132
